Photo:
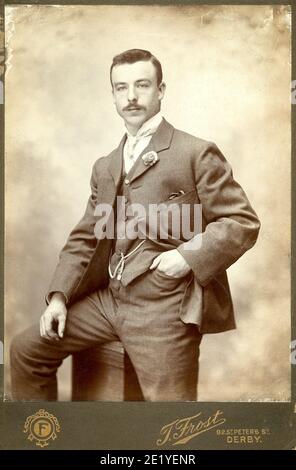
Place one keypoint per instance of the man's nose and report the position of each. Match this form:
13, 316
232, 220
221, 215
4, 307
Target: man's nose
132, 95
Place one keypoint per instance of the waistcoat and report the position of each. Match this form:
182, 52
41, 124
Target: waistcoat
140, 251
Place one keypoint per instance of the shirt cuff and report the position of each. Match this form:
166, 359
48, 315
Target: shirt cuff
48, 297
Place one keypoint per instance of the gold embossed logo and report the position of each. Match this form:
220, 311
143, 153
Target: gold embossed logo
41, 427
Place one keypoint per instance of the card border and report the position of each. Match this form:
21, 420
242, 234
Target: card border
136, 425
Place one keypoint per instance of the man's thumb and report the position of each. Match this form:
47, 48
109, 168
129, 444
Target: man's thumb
155, 262
61, 327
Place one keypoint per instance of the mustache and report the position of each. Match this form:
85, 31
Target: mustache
133, 106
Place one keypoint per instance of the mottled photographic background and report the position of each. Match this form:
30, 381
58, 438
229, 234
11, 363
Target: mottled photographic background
227, 70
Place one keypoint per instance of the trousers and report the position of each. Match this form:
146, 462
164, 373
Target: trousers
144, 316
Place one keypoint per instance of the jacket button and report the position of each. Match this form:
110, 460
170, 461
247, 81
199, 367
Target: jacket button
127, 181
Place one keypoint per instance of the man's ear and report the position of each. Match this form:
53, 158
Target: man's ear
162, 88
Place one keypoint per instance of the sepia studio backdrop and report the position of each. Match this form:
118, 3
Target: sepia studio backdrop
227, 70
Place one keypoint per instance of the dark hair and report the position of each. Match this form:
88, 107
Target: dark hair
135, 55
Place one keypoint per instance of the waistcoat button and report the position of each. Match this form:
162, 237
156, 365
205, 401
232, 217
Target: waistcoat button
127, 181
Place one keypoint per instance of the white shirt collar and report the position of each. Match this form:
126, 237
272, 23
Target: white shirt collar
151, 123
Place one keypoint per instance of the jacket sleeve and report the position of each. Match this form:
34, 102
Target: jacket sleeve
78, 250
231, 225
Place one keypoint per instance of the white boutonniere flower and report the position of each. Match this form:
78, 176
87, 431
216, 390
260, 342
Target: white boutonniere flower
150, 158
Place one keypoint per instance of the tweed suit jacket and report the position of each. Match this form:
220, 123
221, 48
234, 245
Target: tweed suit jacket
229, 224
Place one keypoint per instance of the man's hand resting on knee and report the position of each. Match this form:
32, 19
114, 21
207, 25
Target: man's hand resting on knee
53, 320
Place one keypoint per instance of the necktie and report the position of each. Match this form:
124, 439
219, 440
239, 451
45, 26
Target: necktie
132, 141
131, 145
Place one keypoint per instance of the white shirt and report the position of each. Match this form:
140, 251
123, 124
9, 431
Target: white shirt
134, 145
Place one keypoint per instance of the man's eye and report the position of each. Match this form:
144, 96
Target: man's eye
120, 88
143, 85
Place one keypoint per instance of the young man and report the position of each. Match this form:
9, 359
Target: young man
158, 294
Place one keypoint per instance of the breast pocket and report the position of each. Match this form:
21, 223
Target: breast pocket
186, 198
179, 218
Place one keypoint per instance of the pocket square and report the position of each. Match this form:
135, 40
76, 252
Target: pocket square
179, 193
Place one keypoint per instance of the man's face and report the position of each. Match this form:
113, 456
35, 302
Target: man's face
135, 93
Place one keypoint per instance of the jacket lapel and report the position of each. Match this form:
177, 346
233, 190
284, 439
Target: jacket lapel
110, 185
161, 140
116, 163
